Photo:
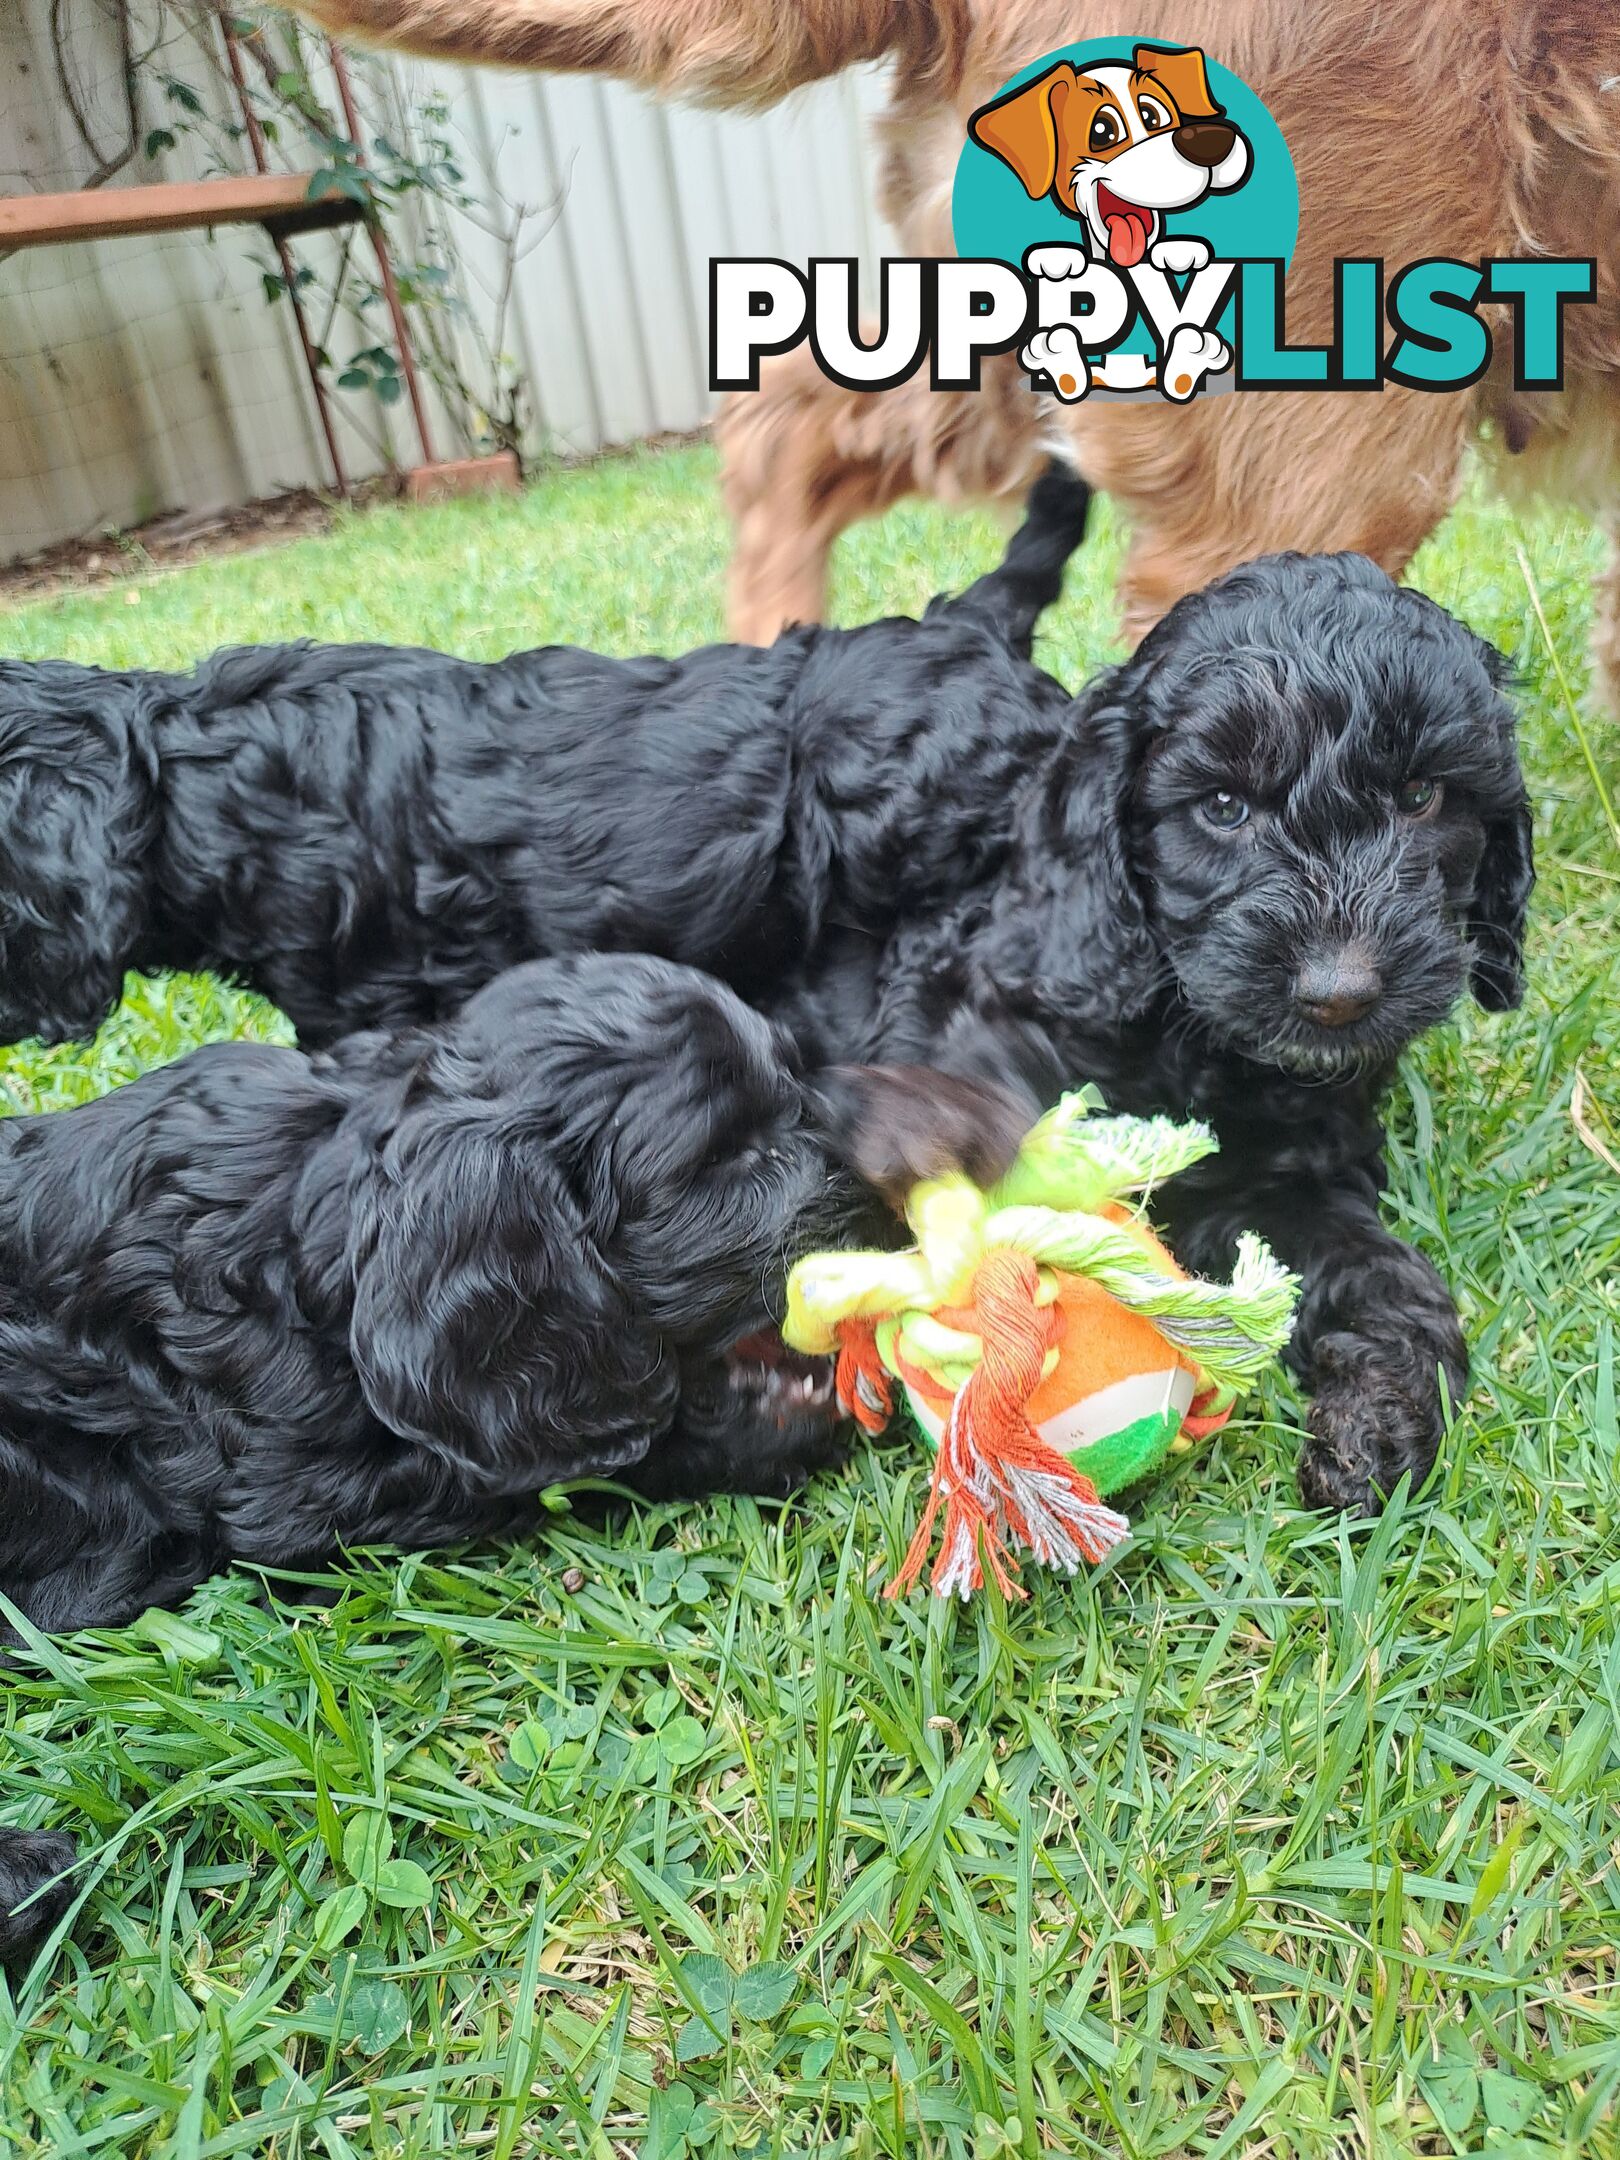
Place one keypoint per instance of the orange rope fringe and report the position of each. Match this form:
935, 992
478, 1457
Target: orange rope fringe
996, 1483
864, 1391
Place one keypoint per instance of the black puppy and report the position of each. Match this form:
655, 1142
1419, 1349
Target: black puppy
369, 834
1244, 872
259, 1304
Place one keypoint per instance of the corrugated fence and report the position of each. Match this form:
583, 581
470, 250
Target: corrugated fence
145, 375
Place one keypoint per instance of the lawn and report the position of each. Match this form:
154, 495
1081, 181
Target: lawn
1275, 1836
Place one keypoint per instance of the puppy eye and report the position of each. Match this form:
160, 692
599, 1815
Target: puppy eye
1153, 114
1104, 131
1225, 812
1417, 798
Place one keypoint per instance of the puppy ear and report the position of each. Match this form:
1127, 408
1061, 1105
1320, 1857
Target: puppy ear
1070, 933
1182, 76
77, 826
1022, 128
1502, 889
486, 1325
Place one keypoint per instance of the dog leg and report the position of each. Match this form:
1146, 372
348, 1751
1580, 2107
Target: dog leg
1606, 626
1209, 484
1376, 1329
802, 458
895, 1125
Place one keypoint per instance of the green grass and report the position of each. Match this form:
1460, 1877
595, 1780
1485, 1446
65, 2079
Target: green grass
1276, 1836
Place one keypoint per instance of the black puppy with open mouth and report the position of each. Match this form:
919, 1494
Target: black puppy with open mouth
258, 1304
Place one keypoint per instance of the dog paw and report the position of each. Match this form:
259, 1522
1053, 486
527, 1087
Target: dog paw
899, 1124
1179, 256
29, 1859
1058, 261
1367, 1432
1190, 356
1057, 354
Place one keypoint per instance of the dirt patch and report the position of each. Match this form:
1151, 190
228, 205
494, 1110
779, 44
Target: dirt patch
179, 536
183, 536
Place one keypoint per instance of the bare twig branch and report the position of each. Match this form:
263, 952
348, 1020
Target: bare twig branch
104, 163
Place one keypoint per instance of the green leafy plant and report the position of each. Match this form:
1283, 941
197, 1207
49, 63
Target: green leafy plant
178, 109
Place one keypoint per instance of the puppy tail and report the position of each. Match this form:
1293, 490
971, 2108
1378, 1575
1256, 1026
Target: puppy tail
1013, 597
745, 53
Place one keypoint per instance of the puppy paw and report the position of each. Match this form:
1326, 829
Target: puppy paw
29, 1859
899, 1124
1058, 262
1368, 1430
1056, 353
1179, 256
1189, 357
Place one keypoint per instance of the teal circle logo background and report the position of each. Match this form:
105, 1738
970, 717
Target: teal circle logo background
991, 214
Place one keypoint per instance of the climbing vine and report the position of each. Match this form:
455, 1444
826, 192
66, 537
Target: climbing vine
170, 107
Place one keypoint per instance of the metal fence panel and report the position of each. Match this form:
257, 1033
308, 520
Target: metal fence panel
144, 375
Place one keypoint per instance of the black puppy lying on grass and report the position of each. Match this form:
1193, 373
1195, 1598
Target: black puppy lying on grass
369, 834
1236, 877
260, 1304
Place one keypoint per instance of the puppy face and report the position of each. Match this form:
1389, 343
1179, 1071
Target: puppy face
602, 1165
1118, 146
1326, 816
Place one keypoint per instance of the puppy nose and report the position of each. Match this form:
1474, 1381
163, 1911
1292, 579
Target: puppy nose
1335, 988
1204, 142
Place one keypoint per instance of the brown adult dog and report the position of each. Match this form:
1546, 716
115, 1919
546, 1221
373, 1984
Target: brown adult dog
1418, 127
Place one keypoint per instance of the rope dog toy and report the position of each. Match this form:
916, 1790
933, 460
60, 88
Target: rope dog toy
1046, 1342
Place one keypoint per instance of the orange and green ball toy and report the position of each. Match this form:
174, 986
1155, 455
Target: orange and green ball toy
1046, 1342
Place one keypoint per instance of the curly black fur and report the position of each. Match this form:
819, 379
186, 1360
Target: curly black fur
904, 841
34, 1891
369, 834
260, 1304
1128, 938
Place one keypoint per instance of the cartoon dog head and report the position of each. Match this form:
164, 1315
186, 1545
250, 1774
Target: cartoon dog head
1117, 146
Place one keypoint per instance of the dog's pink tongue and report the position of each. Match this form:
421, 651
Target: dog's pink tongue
1127, 237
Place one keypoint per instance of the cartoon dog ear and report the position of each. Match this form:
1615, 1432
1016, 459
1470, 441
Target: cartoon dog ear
486, 1326
1183, 76
1502, 889
1023, 128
